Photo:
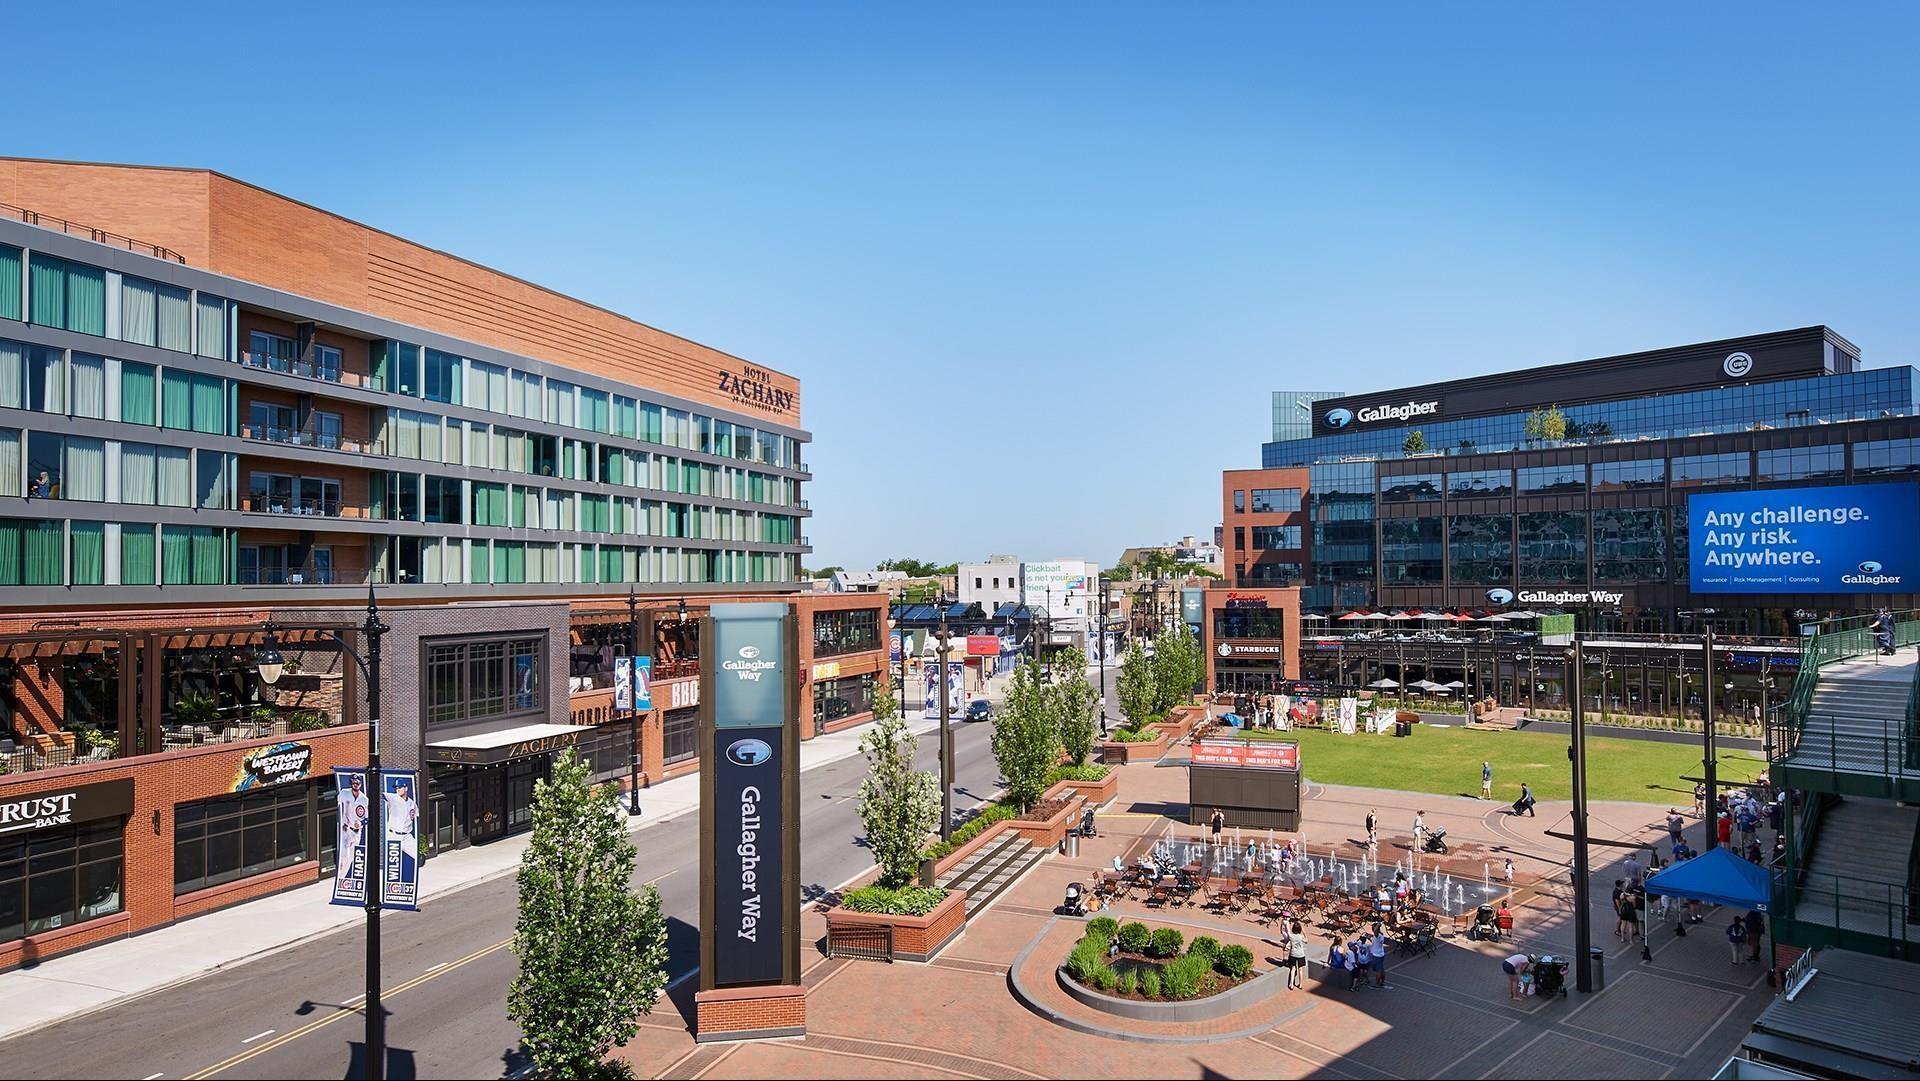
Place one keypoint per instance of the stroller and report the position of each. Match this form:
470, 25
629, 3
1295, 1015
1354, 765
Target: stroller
1075, 903
1086, 828
1436, 840
1550, 975
1485, 926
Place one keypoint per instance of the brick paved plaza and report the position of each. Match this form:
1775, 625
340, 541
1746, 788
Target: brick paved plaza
1445, 1015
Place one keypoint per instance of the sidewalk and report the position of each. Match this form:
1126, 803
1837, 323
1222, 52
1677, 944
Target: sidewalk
92, 979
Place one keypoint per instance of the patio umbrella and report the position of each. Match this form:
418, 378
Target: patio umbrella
1402, 617
1356, 615
1455, 684
1427, 685
1311, 615
1494, 618
1383, 684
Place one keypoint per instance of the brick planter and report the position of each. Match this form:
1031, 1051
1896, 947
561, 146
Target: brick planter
1119, 754
1050, 832
915, 938
1094, 792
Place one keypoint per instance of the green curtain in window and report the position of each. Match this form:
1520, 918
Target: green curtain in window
209, 404
518, 500
86, 299
11, 531
176, 400
478, 563
136, 555
500, 561
89, 553
44, 556
136, 392
176, 555
209, 557
516, 562
9, 283
49, 284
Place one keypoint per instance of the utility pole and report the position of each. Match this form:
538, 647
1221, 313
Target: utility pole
1582, 910
1712, 806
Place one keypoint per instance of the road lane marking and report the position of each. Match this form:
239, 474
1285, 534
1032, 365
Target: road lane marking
259, 1036
153, 1077
347, 1011
442, 964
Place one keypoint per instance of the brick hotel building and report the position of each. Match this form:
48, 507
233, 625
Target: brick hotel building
219, 407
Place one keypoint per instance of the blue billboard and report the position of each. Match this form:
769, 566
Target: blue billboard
1853, 538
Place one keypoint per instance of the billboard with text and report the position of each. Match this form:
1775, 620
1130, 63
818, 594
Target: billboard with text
1854, 538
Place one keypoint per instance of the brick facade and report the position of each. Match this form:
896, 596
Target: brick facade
748, 1013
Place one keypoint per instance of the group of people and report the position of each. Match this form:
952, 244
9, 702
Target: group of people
1364, 959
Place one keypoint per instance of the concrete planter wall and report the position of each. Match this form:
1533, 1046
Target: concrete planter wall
915, 938
1119, 754
1193, 1009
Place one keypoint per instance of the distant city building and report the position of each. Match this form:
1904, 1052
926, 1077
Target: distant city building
867, 581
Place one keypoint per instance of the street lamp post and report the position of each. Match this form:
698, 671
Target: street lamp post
633, 714
270, 665
946, 731
1101, 642
902, 696
1711, 808
1577, 755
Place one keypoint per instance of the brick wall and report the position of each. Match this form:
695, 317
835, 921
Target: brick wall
735, 1012
161, 781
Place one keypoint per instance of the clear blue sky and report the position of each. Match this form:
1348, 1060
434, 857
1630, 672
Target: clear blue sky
1040, 265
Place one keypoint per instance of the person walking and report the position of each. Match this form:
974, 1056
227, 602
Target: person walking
1737, 939
1620, 908
1297, 957
1486, 780
1515, 967
1526, 800
1215, 824
1883, 631
1756, 934
1508, 871
1675, 825
1373, 833
1377, 956
1700, 798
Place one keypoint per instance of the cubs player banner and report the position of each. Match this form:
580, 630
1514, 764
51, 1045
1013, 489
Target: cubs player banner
749, 797
400, 851
400, 821
1848, 538
632, 684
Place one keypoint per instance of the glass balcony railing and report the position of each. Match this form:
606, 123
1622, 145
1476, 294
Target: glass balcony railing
309, 575
255, 503
307, 437
306, 369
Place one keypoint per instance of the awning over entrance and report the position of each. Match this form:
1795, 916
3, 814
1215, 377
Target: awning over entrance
489, 748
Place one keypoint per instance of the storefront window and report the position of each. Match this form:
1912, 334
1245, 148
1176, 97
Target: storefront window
677, 733
232, 837
203, 692
845, 632
837, 699
476, 680
56, 878
1249, 623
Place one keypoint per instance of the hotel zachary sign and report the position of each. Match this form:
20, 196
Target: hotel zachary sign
758, 388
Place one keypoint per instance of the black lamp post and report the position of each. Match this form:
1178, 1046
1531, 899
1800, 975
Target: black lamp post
633, 713
1710, 764
1582, 864
946, 731
1100, 643
270, 664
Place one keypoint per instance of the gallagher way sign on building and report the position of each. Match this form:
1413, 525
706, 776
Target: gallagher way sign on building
1853, 538
749, 797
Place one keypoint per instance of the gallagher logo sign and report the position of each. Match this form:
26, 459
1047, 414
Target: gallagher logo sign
1340, 418
1500, 596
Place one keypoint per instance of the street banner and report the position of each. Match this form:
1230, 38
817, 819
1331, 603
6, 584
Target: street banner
893, 646
350, 860
983, 645
400, 820
956, 686
623, 683
643, 683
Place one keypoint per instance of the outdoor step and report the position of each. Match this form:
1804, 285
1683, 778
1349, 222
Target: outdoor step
1007, 851
979, 900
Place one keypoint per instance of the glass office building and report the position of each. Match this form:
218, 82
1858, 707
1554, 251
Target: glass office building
1576, 476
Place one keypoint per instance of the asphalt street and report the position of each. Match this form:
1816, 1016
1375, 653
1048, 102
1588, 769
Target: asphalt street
446, 969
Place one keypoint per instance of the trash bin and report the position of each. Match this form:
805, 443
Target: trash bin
1402, 729
1598, 958
1070, 844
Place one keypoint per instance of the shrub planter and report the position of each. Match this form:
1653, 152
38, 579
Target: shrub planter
1049, 832
915, 938
1119, 754
1254, 990
1096, 793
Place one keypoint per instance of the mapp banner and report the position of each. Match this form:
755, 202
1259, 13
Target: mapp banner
1853, 538
1248, 753
749, 895
750, 686
400, 848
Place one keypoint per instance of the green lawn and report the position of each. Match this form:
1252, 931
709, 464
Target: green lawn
1447, 761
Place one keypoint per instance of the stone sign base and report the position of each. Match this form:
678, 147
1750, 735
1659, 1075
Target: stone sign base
749, 1013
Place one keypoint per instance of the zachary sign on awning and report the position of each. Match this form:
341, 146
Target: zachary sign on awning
1247, 754
489, 748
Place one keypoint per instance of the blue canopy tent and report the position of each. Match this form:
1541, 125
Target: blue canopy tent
1717, 877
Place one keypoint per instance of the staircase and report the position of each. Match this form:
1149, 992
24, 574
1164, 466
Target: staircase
991, 869
1857, 874
1857, 718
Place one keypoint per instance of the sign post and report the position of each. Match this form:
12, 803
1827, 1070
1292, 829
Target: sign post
749, 826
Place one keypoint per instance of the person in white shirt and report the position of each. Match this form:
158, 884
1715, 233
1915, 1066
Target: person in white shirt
402, 816
353, 819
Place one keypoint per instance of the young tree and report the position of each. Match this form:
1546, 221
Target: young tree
885, 702
1553, 425
1176, 657
1415, 443
1026, 736
899, 805
1137, 687
1077, 702
593, 952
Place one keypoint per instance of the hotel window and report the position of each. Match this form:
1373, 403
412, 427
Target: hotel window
441, 379
31, 553
239, 836
1709, 470
55, 878
9, 282
469, 681
1643, 473
210, 326
155, 314
1554, 480
1802, 463
69, 296
1412, 488
1274, 536
1275, 500
1480, 484
89, 375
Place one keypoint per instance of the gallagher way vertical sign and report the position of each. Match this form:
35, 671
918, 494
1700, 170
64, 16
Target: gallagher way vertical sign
749, 799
